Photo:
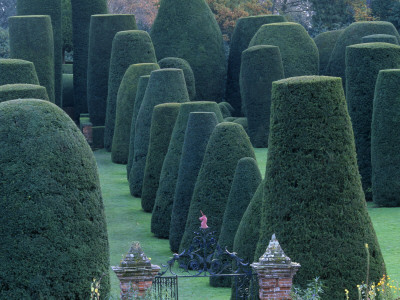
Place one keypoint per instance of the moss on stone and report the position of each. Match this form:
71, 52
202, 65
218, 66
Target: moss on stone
17, 71
325, 42
22, 91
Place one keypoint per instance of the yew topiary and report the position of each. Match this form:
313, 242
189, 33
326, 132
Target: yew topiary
383, 38
22, 91
224, 107
325, 42
68, 91
242, 121
68, 69
17, 71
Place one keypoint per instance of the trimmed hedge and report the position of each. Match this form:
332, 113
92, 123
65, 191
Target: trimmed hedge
383, 38
125, 104
68, 69
242, 121
34, 32
228, 143
363, 63
22, 91
244, 30
68, 91
162, 124
200, 125
385, 139
224, 107
17, 71
261, 65
165, 86
191, 32
298, 50
180, 63
101, 34
313, 199
53, 219
325, 42
129, 47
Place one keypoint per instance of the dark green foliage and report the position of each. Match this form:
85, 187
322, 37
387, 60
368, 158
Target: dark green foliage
298, 50
125, 104
161, 217
313, 199
325, 43
4, 43
162, 124
34, 32
385, 139
180, 63
245, 182
230, 119
68, 91
66, 25
190, 31
129, 47
165, 86
22, 91
53, 220
200, 125
363, 63
261, 65
101, 34
53, 9
67, 69
17, 71
244, 30
328, 14
242, 121
383, 38
228, 143
223, 106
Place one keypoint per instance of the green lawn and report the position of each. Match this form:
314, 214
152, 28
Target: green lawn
127, 223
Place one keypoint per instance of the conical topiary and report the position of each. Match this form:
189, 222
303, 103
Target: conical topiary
165, 86
161, 217
200, 125
124, 110
129, 47
22, 91
325, 42
228, 143
313, 196
53, 219
363, 63
101, 34
385, 139
261, 65
190, 31
383, 38
162, 124
298, 50
17, 71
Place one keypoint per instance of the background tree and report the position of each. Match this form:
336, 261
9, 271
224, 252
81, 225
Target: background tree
8, 8
330, 14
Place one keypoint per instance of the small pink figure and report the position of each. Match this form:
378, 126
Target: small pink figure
203, 220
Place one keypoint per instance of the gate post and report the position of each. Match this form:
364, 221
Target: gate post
275, 272
135, 272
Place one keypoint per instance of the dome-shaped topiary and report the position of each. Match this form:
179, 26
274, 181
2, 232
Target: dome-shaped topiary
162, 124
68, 91
165, 86
313, 196
363, 63
53, 219
383, 38
34, 32
200, 125
298, 50
161, 217
189, 31
17, 71
261, 65
325, 42
22, 91
101, 34
228, 143
129, 47
244, 31
124, 110
385, 139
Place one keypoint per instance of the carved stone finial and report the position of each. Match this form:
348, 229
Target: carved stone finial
274, 253
135, 257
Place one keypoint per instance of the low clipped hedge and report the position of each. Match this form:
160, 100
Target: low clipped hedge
383, 38
325, 42
17, 71
68, 69
22, 91
68, 91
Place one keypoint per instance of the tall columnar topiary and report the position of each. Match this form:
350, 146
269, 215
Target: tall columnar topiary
180, 63
298, 50
82, 10
68, 91
385, 139
22, 91
53, 9
313, 198
101, 34
363, 63
228, 143
383, 38
162, 124
124, 110
17, 71
161, 217
189, 31
261, 65
325, 42
129, 47
244, 31
53, 219
31, 39
165, 86
245, 183
200, 125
